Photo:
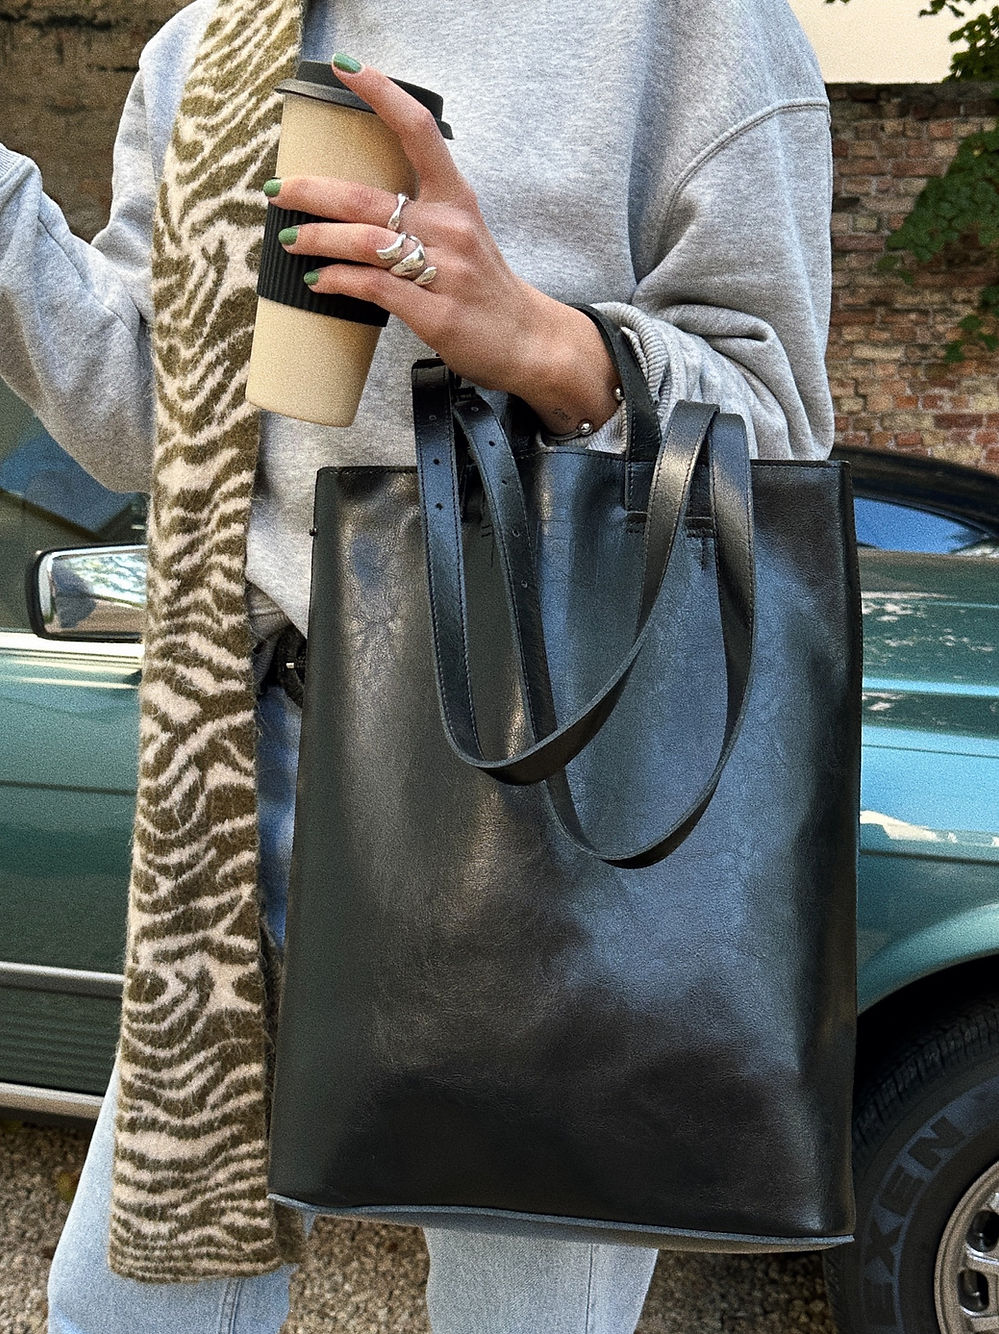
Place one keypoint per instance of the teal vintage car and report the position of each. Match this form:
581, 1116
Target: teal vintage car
927, 1113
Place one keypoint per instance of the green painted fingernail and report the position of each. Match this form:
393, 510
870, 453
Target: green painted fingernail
311, 278
289, 236
271, 188
347, 63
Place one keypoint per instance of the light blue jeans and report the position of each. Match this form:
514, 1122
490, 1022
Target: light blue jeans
478, 1283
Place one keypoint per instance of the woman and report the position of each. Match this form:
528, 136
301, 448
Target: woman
672, 165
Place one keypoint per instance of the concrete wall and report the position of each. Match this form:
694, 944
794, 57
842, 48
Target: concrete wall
66, 65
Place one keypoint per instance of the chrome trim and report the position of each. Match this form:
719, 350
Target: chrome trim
25, 1098
67, 981
23, 641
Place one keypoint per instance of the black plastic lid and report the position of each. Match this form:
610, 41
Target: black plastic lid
316, 79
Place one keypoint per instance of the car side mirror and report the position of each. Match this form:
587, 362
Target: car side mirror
988, 547
88, 593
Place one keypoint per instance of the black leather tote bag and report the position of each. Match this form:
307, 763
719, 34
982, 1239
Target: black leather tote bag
571, 926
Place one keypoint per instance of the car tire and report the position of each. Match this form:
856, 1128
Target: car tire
926, 1168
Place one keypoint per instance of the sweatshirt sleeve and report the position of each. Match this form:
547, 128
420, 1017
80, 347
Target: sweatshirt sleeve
75, 317
736, 311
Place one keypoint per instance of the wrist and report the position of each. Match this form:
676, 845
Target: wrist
570, 378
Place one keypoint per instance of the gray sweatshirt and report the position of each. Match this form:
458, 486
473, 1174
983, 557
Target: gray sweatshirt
668, 162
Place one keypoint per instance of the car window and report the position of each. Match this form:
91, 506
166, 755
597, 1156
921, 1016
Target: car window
897, 527
48, 500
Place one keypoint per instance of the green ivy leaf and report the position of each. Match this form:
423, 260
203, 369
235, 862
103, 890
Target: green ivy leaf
962, 204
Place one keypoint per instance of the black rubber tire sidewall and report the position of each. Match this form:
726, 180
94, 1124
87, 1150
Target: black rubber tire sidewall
908, 1184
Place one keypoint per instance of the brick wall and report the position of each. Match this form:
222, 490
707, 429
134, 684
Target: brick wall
66, 65
65, 70
885, 365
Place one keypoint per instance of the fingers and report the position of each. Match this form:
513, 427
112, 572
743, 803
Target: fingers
421, 140
400, 297
360, 245
341, 240
330, 197
350, 203
368, 277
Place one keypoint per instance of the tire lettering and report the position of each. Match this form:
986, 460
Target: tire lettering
899, 1192
881, 1246
929, 1149
879, 1303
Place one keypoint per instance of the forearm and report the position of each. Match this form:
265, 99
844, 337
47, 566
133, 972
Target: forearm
74, 344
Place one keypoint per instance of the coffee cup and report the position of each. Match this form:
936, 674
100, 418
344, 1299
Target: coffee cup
312, 352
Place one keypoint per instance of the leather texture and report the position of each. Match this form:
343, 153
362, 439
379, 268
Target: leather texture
571, 927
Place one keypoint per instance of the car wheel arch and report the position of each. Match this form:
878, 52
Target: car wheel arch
894, 1019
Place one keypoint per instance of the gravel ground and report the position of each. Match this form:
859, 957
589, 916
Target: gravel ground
363, 1279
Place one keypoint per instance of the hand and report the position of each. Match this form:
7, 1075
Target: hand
487, 324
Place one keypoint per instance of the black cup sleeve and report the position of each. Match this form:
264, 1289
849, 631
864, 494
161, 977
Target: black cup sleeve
281, 276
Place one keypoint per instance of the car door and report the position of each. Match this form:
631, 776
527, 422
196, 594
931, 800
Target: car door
929, 866
68, 746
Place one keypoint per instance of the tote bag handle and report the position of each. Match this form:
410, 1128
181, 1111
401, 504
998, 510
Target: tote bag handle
694, 429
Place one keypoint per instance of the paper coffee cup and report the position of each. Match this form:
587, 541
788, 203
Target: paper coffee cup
311, 353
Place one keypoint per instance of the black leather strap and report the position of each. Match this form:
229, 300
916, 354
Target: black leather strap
440, 456
555, 746
641, 415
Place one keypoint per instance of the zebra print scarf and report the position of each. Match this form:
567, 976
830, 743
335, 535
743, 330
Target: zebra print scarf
189, 1183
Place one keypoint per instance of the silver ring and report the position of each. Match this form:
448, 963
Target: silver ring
413, 266
392, 252
414, 263
393, 222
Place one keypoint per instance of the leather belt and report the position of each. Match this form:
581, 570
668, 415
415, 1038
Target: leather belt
287, 665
